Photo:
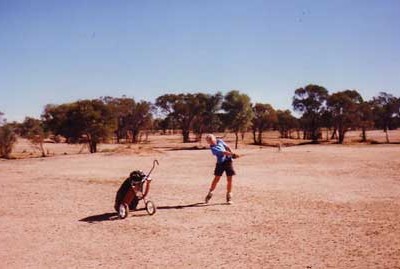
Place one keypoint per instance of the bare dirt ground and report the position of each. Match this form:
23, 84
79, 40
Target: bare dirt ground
311, 206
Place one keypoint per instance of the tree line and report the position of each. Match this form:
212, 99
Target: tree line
124, 119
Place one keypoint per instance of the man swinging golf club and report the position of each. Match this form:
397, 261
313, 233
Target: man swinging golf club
224, 156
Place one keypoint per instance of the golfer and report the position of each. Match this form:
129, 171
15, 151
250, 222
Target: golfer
224, 156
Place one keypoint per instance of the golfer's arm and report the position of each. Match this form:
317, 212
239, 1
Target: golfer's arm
228, 148
228, 153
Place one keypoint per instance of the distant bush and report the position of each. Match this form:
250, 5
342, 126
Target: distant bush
7, 140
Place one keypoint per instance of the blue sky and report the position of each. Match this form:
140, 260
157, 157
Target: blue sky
62, 51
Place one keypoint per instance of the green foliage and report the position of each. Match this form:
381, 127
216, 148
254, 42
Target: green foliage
33, 130
7, 141
310, 101
366, 118
386, 110
208, 120
265, 117
188, 110
286, 122
86, 120
239, 112
131, 117
344, 107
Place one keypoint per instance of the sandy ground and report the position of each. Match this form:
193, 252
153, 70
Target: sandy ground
312, 206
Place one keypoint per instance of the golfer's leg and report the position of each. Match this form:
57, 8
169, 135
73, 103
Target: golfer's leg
229, 184
214, 183
212, 188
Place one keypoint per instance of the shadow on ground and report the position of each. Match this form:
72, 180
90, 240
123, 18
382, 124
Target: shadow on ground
114, 215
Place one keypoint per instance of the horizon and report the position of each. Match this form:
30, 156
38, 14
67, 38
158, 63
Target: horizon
56, 53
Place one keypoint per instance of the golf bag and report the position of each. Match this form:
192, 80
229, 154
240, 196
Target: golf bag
135, 178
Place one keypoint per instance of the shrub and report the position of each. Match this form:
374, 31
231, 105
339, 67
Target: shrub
7, 140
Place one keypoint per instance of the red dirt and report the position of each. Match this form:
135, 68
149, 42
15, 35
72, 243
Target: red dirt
314, 206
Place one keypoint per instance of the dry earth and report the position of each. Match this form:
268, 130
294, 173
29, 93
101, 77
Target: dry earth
312, 206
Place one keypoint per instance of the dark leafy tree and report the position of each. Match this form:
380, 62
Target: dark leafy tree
138, 119
366, 119
131, 117
386, 109
55, 120
327, 123
286, 122
33, 130
310, 102
344, 107
265, 117
120, 108
7, 140
207, 120
86, 120
164, 124
238, 114
183, 108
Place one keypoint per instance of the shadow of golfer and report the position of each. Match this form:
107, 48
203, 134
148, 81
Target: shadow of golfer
188, 206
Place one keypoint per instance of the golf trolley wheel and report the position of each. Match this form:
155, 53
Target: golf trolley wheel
123, 210
150, 208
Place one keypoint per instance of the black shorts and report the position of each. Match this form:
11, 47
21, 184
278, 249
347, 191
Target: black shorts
226, 167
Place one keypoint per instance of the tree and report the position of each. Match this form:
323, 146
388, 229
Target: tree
87, 120
7, 141
385, 108
327, 123
183, 108
2, 121
139, 118
164, 124
238, 114
310, 101
120, 108
207, 120
131, 116
285, 123
264, 117
344, 107
33, 130
366, 119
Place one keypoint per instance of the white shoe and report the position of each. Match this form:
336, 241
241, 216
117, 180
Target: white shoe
229, 198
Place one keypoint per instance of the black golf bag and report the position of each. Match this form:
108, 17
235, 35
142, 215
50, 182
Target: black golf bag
135, 178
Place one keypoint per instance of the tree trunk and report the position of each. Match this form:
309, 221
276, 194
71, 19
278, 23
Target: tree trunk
237, 139
259, 137
341, 136
254, 136
387, 134
92, 146
135, 136
341, 130
42, 149
185, 134
364, 135
334, 135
